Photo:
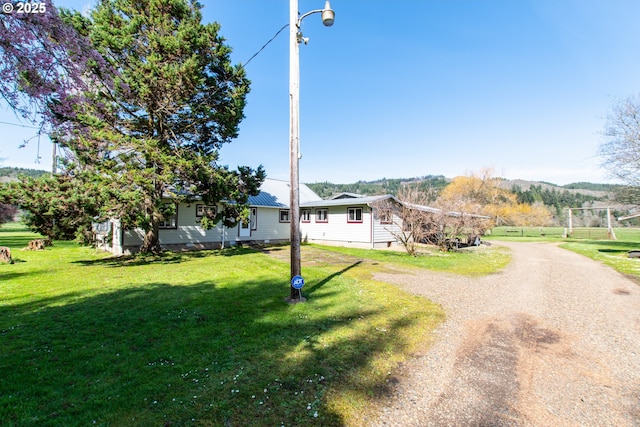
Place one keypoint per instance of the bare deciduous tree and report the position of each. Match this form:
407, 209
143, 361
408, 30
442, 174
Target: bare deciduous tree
455, 226
411, 220
402, 219
621, 148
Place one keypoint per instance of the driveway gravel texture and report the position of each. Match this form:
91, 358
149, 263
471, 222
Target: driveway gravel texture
552, 340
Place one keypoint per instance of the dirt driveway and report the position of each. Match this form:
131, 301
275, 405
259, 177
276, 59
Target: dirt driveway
553, 340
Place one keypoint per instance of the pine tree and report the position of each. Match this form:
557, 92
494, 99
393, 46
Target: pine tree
145, 96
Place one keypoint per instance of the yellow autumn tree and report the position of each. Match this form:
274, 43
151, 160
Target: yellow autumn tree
482, 193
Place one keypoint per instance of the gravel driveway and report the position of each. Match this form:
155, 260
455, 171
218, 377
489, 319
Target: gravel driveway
553, 340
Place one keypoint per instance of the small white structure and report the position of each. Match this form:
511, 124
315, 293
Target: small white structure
347, 219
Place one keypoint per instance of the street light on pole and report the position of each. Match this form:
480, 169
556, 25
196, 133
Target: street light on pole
295, 38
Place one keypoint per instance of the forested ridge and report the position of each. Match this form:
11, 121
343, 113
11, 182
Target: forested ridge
553, 198
548, 193
12, 173
380, 186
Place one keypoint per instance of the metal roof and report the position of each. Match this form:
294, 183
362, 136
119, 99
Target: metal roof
274, 193
365, 200
368, 200
346, 195
450, 213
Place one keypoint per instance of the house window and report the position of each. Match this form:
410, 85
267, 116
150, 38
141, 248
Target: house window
254, 218
171, 219
322, 215
305, 216
386, 218
354, 215
202, 210
284, 215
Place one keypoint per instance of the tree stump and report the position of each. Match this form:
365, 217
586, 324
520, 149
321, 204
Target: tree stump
5, 254
36, 245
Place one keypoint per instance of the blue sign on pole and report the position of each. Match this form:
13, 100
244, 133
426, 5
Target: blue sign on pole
297, 282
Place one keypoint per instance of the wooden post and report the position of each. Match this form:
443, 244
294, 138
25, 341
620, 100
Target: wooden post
610, 234
570, 224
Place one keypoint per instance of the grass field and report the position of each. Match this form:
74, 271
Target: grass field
199, 338
468, 262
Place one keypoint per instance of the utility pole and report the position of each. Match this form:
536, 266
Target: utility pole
295, 38
294, 145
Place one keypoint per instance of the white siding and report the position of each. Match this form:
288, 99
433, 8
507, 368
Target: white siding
268, 227
132, 238
190, 233
116, 238
383, 232
337, 229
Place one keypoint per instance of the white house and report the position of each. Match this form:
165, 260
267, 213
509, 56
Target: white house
268, 223
346, 219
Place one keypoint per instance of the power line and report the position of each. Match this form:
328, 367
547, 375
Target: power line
266, 44
16, 124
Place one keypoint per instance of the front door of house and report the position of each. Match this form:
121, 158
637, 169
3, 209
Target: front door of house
245, 228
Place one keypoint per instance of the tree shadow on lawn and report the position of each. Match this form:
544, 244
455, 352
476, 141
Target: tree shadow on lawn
167, 257
203, 354
6, 274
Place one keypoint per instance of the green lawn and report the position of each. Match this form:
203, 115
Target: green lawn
15, 235
469, 262
199, 338
627, 234
613, 253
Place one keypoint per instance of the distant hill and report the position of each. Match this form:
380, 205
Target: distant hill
379, 186
586, 188
11, 174
592, 186
391, 186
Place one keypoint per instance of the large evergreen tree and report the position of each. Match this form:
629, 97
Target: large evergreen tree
61, 207
146, 107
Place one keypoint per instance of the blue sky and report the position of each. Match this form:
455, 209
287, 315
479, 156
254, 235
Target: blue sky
423, 87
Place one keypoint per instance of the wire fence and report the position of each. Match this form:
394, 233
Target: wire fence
527, 231
593, 233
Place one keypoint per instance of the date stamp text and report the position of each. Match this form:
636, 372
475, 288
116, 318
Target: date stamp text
23, 7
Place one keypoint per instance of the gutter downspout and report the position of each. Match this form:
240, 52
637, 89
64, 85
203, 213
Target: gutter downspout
373, 243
